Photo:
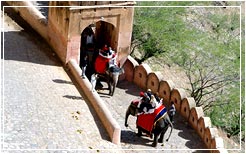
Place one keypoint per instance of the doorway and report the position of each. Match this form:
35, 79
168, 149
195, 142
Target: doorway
102, 33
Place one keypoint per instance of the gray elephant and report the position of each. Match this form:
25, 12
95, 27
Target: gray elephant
114, 72
159, 127
107, 72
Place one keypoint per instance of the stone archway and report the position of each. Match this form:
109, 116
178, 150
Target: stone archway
104, 33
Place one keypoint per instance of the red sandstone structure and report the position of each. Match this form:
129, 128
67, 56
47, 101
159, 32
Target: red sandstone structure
111, 23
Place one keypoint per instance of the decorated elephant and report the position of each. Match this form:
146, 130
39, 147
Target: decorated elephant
114, 72
155, 123
108, 70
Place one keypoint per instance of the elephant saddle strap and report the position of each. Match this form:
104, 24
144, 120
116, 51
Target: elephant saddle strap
147, 121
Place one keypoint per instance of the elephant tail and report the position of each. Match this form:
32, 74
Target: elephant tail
170, 123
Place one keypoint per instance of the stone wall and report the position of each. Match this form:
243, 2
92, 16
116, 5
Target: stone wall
142, 76
114, 24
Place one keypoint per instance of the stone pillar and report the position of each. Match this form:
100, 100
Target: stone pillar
203, 123
195, 114
153, 81
186, 105
129, 66
177, 95
209, 134
165, 89
141, 73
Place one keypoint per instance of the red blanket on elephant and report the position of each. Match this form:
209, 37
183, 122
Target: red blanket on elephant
147, 121
101, 64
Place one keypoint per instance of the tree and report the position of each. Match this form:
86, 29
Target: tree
208, 77
151, 32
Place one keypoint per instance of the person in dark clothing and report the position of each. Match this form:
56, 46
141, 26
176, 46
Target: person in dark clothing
172, 111
149, 93
157, 97
83, 64
146, 105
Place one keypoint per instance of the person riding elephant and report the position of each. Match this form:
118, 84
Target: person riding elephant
111, 74
172, 112
158, 125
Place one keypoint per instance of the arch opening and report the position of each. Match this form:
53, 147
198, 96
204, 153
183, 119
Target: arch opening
93, 38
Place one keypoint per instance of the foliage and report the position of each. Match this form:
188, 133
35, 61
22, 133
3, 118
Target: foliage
156, 30
206, 43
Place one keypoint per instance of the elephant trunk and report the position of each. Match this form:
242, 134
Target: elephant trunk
131, 110
126, 116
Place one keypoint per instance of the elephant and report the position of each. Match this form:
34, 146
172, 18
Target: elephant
160, 127
107, 72
113, 73
111, 76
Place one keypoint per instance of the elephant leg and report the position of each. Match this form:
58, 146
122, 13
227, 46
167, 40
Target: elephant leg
114, 82
160, 140
110, 87
157, 131
159, 128
139, 132
154, 144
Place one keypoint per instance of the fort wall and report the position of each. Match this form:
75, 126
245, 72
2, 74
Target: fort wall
141, 75
185, 105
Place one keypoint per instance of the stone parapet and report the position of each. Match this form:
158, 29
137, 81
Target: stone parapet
203, 123
177, 95
185, 105
129, 66
209, 134
217, 144
153, 81
111, 125
165, 89
195, 114
141, 73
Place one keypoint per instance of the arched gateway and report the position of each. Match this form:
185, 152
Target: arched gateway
110, 21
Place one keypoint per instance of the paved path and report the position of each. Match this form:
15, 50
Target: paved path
183, 136
43, 110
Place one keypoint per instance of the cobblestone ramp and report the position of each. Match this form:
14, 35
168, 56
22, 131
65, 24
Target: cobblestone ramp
42, 109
